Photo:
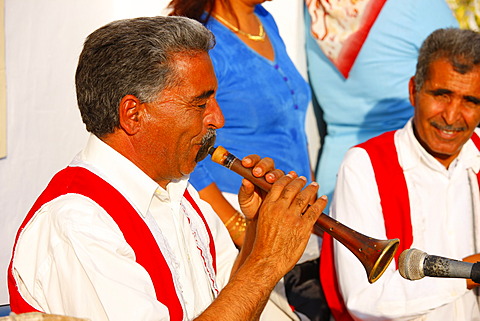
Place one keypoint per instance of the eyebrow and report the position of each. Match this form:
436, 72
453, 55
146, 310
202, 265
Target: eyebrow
204, 95
443, 91
472, 99
439, 91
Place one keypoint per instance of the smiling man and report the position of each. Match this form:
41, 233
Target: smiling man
120, 234
447, 106
419, 184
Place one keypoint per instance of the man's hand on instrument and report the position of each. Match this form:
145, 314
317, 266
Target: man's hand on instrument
250, 197
285, 221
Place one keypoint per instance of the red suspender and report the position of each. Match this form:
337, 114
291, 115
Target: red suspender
138, 236
395, 204
476, 141
212, 244
328, 280
392, 189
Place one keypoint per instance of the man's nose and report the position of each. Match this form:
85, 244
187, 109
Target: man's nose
214, 117
452, 111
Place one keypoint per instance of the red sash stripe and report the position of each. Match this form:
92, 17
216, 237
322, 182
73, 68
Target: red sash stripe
392, 189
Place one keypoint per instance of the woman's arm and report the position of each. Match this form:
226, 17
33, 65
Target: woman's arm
234, 221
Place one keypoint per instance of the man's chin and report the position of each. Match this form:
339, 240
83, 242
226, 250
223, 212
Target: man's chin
203, 152
187, 170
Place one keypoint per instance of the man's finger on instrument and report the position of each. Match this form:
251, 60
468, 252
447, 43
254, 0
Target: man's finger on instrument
247, 186
293, 189
274, 175
278, 187
316, 209
262, 167
250, 160
307, 196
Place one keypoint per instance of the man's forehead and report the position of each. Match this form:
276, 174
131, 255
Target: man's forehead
194, 77
187, 59
446, 70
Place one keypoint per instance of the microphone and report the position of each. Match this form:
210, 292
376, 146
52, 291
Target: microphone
415, 264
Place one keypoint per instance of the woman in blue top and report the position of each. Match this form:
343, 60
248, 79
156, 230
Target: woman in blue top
264, 100
263, 97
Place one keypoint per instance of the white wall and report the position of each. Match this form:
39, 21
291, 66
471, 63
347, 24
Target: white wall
44, 129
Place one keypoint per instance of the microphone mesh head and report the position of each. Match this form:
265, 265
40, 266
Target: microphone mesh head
410, 264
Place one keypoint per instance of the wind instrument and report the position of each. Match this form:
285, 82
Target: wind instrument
375, 255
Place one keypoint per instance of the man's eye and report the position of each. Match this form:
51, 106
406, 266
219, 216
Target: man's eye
475, 100
441, 94
203, 106
472, 103
442, 97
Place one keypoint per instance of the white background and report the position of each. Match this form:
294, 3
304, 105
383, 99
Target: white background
44, 129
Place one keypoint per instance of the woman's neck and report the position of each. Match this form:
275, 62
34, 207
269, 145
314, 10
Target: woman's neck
240, 18
239, 14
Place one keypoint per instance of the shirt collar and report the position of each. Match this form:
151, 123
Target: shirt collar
412, 153
136, 186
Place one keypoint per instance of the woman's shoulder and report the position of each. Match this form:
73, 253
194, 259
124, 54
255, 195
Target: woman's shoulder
261, 12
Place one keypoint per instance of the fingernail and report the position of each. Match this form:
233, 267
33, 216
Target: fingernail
257, 171
289, 175
303, 178
324, 197
314, 183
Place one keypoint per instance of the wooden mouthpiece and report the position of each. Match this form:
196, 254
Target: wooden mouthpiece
221, 156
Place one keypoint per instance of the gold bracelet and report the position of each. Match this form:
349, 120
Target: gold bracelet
239, 227
230, 220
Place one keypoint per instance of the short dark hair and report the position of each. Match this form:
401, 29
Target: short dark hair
460, 46
132, 57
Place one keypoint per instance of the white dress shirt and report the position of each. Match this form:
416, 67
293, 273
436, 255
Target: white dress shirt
444, 205
72, 258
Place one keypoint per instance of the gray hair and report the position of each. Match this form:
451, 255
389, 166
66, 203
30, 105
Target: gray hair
132, 57
461, 47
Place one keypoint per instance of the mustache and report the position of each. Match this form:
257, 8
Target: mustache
455, 128
207, 142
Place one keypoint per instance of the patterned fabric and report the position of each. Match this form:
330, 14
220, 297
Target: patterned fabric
341, 27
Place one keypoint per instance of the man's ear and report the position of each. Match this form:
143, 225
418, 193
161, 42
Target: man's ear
412, 91
129, 113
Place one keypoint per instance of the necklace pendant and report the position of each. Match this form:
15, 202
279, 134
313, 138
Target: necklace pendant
259, 37
256, 38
